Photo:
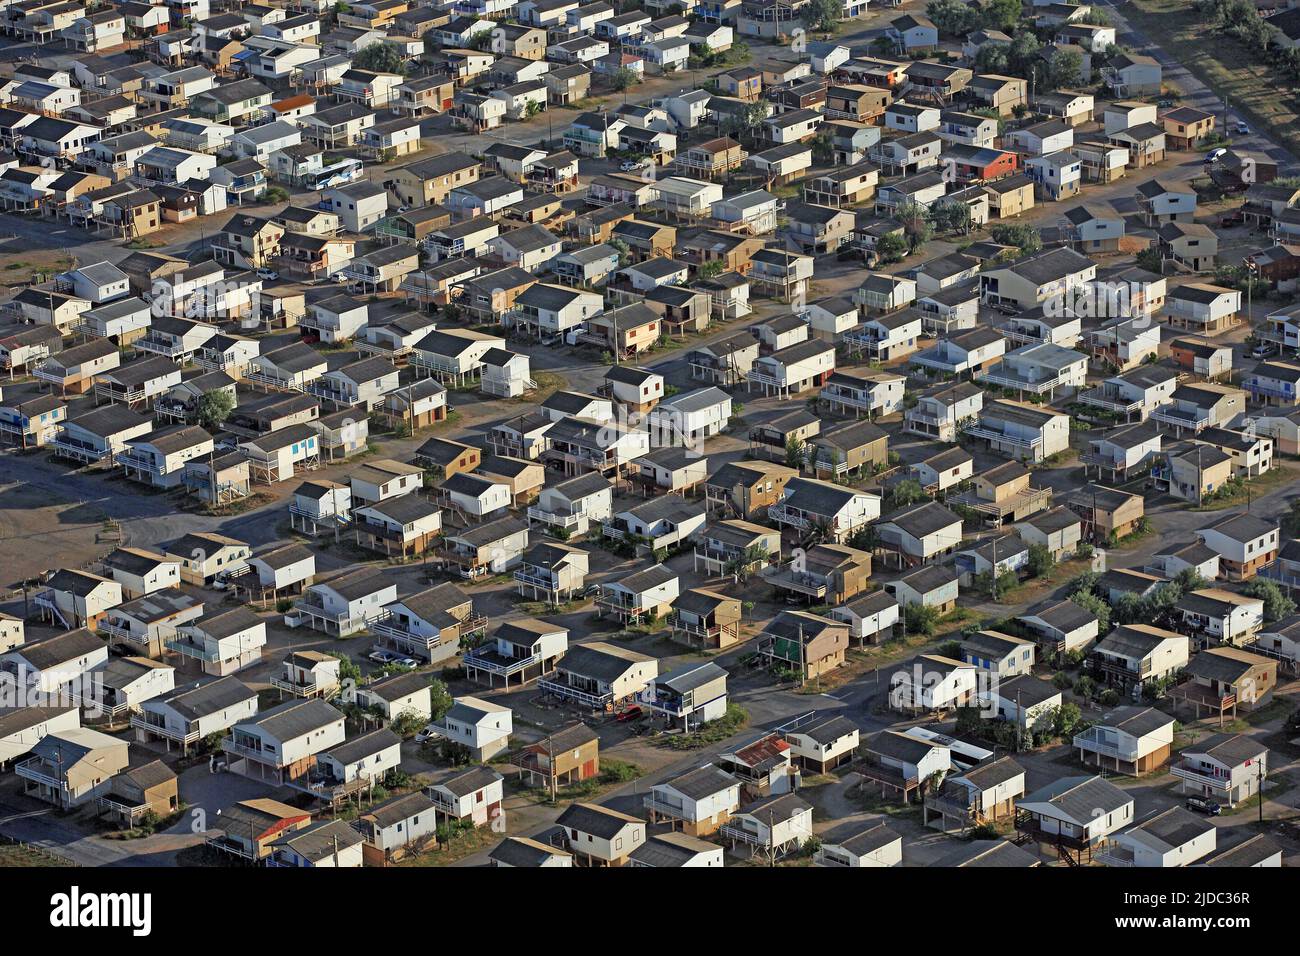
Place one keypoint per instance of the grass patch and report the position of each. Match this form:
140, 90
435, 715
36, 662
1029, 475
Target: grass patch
1245, 491
462, 843
1251, 88
613, 773
538, 608
237, 507
1275, 709
15, 854
715, 731
548, 383
1275, 787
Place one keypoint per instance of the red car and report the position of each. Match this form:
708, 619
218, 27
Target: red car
632, 713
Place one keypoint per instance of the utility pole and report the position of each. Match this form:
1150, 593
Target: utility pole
1259, 785
1200, 477
993, 586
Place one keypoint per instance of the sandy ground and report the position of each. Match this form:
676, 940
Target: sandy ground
39, 531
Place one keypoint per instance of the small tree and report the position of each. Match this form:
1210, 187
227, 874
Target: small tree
1001, 14
917, 228
1150, 260
951, 217
744, 122
213, 408
921, 619
1064, 68
1066, 719
380, 58
794, 452
824, 15
1041, 560
1276, 604
891, 248
348, 669
992, 58
625, 78
623, 249
1023, 53
1099, 608
906, 492
953, 18
440, 699
1025, 238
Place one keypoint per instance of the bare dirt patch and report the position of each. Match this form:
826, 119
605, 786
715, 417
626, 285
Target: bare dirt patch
36, 531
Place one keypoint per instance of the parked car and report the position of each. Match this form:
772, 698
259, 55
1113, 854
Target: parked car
428, 733
1241, 129
1214, 155
269, 275
1234, 218
629, 715
382, 655
1204, 805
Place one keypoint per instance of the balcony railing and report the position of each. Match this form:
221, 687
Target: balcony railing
38, 770
1005, 378
782, 514
435, 363
165, 347
234, 747
1180, 418
1093, 744
925, 418
388, 626
1118, 668
848, 399
340, 519
55, 377
586, 698
129, 812
306, 688
554, 518
487, 659
790, 580
121, 631
199, 652
140, 722
141, 463
78, 451
1021, 335
545, 581
1185, 771
740, 835
1002, 437
1099, 398
1282, 393
762, 378
1032, 499
651, 802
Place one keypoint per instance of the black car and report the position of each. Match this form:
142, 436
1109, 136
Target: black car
1204, 805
